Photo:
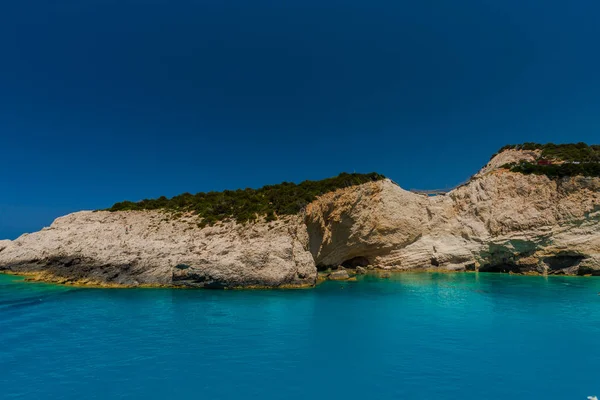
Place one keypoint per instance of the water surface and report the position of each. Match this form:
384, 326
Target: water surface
414, 336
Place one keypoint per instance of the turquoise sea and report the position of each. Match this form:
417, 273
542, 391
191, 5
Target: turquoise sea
414, 336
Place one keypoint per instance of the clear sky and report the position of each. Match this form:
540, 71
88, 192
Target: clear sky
106, 100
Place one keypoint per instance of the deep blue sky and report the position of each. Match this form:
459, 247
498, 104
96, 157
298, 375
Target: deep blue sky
102, 101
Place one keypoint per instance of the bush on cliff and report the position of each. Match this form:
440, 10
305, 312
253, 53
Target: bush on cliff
580, 152
556, 170
559, 160
245, 205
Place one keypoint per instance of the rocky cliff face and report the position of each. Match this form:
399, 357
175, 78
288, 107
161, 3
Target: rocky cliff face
498, 221
153, 248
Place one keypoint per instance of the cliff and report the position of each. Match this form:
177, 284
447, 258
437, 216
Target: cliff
153, 248
498, 221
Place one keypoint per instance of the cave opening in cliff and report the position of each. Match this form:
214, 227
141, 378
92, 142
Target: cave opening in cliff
503, 268
351, 263
563, 261
354, 262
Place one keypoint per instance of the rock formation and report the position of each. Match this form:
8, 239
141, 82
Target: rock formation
153, 248
498, 221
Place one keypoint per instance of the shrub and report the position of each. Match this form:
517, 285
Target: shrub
563, 152
569, 159
556, 170
246, 205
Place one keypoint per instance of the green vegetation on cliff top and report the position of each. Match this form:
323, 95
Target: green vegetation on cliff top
558, 160
557, 171
580, 152
246, 205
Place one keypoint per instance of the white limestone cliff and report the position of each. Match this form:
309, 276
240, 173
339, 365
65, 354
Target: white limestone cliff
498, 221
153, 248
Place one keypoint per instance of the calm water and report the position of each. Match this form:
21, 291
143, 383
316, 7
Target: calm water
415, 336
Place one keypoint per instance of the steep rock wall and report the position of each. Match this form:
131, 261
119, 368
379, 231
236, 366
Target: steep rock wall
153, 248
498, 221
369, 221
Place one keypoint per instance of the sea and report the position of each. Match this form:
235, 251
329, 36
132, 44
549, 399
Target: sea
412, 336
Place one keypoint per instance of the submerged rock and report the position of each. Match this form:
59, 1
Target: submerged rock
339, 275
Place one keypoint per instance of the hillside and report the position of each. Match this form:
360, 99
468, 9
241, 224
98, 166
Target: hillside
244, 205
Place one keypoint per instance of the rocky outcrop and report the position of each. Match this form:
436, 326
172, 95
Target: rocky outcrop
508, 157
370, 221
154, 248
498, 221
339, 275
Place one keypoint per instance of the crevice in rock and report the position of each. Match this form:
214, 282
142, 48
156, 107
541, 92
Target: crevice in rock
321, 267
197, 280
214, 285
585, 270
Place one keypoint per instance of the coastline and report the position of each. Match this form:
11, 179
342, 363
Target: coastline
45, 277
379, 273
499, 222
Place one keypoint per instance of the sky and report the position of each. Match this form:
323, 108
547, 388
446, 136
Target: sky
102, 100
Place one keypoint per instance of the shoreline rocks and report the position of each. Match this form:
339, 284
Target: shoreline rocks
339, 275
